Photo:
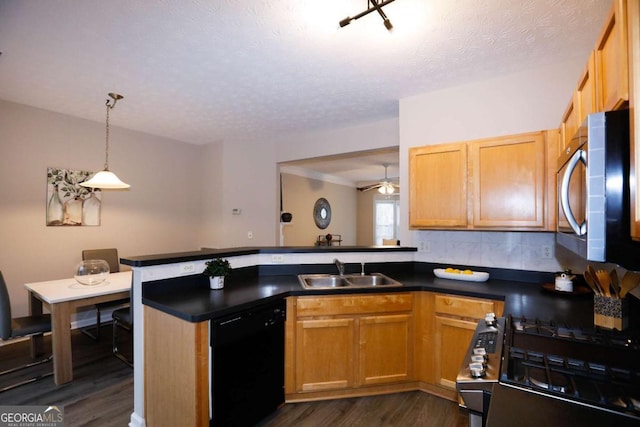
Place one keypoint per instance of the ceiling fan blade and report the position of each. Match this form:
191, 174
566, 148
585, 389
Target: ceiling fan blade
369, 187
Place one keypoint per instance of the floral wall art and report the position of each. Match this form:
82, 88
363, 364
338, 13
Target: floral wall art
68, 203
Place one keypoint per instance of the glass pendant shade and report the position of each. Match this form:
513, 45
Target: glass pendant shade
105, 179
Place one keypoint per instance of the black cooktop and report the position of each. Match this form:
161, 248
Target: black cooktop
589, 367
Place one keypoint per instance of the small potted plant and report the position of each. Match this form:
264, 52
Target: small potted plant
217, 269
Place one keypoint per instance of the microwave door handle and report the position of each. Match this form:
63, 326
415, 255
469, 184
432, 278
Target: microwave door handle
579, 156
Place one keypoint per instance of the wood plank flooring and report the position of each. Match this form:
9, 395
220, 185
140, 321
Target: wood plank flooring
398, 410
101, 394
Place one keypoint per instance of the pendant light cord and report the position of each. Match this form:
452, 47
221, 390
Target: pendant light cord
114, 97
106, 150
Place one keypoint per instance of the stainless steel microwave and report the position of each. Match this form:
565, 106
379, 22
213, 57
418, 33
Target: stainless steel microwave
593, 192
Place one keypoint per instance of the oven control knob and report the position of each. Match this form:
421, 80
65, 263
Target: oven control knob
480, 351
477, 370
476, 358
490, 319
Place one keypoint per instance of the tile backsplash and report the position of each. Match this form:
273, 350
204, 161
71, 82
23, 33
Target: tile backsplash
514, 250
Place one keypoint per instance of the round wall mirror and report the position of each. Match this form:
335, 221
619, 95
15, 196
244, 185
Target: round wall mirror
322, 213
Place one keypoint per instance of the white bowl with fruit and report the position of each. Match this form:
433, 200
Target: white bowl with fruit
457, 274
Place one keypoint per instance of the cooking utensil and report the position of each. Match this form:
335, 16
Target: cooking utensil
605, 282
592, 273
629, 281
615, 283
590, 282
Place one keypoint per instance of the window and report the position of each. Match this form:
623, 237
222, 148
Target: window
386, 219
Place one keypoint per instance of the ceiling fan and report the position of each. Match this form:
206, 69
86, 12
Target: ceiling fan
385, 186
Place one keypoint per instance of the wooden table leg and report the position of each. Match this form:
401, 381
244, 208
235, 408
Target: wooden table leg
61, 342
37, 341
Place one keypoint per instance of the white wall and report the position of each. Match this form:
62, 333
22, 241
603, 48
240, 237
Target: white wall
156, 215
250, 183
379, 134
301, 194
522, 102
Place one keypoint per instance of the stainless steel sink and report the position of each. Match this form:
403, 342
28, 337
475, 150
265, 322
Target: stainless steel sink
323, 281
333, 281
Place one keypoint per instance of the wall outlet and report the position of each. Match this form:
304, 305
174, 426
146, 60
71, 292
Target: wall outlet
424, 246
189, 268
277, 258
249, 235
547, 252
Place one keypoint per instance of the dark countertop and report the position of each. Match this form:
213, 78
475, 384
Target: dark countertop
208, 253
190, 298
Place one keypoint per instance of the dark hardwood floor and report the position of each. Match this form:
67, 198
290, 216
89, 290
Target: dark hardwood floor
101, 394
401, 409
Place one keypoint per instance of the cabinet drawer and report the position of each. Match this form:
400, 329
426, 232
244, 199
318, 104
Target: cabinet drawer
353, 304
474, 308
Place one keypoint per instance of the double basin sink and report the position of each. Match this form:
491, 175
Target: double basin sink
335, 281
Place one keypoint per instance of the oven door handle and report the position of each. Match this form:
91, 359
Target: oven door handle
578, 156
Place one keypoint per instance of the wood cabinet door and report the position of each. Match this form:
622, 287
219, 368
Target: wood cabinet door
438, 186
611, 60
325, 354
570, 122
583, 103
585, 96
452, 339
386, 349
509, 180
634, 109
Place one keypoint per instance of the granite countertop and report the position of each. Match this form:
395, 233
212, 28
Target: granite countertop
190, 298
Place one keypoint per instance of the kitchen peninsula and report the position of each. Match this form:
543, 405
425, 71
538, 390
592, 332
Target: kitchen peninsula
173, 306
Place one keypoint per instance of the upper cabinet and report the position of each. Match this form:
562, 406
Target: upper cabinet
611, 60
438, 186
604, 83
508, 182
634, 104
496, 184
581, 104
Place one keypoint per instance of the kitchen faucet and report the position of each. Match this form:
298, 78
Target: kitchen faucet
340, 266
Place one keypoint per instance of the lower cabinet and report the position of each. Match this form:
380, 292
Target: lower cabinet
455, 320
452, 338
324, 354
346, 343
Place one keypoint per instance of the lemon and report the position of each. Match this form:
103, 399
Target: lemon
467, 272
448, 270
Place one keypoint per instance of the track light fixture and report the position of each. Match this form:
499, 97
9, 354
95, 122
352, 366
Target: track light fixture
371, 6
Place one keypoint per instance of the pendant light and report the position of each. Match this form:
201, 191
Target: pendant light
106, 178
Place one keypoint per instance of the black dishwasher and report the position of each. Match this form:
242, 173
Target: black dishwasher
247, 360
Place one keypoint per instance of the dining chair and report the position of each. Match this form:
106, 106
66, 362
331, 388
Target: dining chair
19, 327
123, 319
111, 256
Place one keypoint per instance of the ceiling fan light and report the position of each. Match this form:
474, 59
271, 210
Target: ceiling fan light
386, 188
105, 179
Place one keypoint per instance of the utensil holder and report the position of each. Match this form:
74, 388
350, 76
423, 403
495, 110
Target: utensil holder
610, 313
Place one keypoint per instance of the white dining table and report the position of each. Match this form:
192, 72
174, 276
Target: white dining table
63, 297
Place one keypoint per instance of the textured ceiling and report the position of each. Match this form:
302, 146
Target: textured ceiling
204, 70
